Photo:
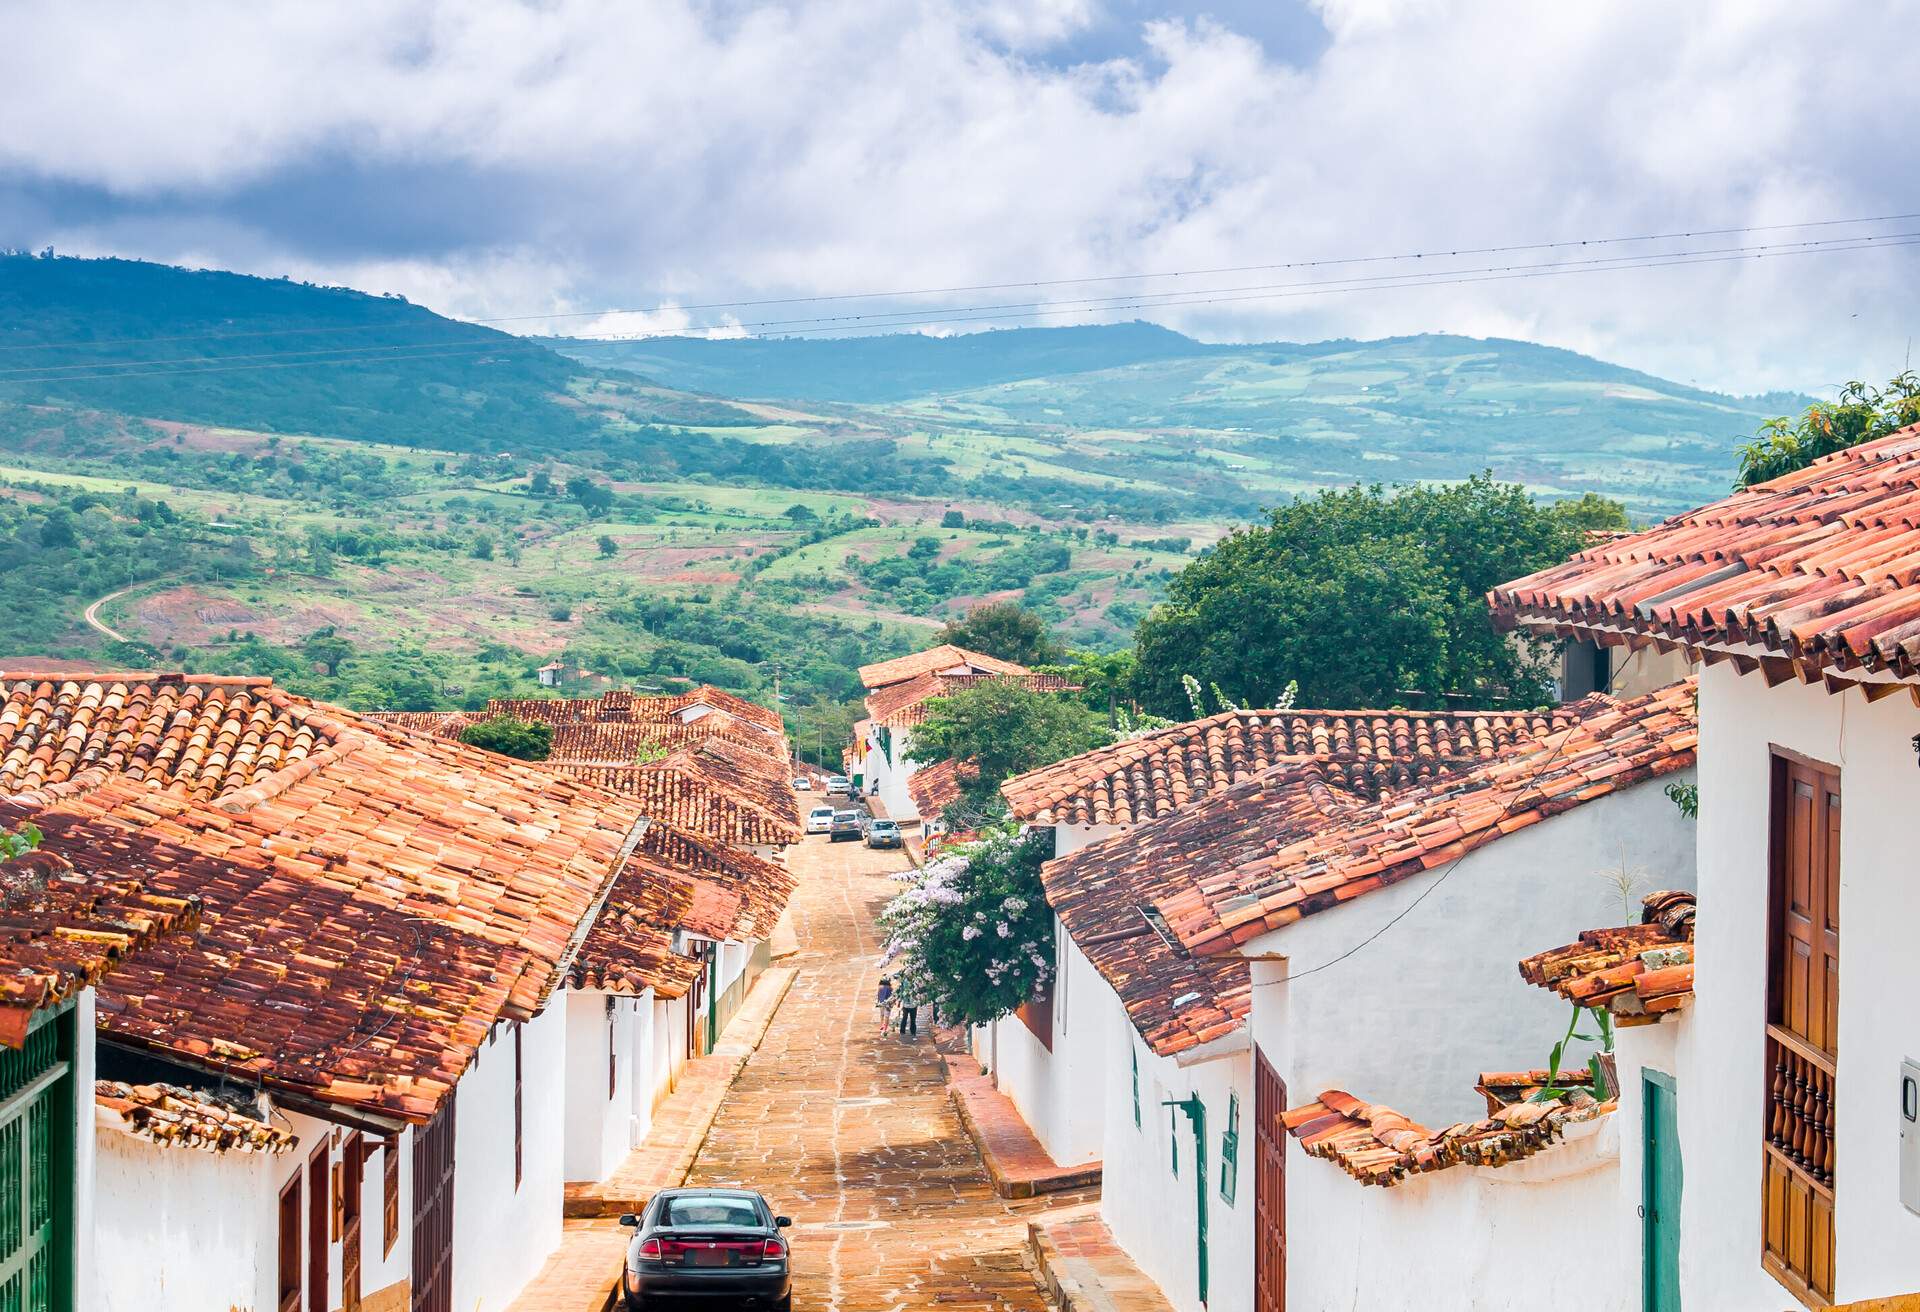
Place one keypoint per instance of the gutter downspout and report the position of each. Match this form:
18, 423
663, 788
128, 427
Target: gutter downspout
1196, 1112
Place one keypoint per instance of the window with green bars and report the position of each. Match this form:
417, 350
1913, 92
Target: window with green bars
1230, 1150
35, 1171
1135, 1054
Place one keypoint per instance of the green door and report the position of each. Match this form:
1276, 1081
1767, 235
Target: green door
36, 1169
1660, 1195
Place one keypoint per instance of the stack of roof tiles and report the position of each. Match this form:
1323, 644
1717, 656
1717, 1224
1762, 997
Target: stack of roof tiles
1375, 1144
1641, 973
177, 1117
1819, 569
1161, 908
1366, 752
61, 931
372, 900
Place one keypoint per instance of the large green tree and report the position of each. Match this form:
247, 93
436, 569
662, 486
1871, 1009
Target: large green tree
1366, 596
1006, 730
510, 737
1005, 629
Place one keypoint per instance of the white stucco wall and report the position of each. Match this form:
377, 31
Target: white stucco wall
602, 1126
1149, 1209
1503, 1239
83, 1148
502, 1232
1059, 1093
1719, 1049
1414, 1017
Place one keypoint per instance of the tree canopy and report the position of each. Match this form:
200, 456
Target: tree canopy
510, 737
1365, 596
1862, 414
1005, 629
1006, 730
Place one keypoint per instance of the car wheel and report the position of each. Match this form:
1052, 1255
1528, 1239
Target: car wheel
784, 1305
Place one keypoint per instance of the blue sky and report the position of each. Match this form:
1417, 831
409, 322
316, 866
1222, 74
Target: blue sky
501, 157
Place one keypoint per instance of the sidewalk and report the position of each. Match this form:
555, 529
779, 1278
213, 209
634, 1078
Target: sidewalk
1017, 1163
582, 1274
1084, 1269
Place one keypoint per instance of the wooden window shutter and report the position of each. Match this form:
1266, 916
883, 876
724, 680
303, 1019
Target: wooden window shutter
389, 1195
289, 1284
1802, 1032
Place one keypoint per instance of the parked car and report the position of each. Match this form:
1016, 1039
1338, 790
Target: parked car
839, 783
883, 833
802, 784
704, 1245
820, 820
846, 824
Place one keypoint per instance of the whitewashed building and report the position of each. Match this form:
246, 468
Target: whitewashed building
1206, 924
1778, 1116
898, 691
386, 923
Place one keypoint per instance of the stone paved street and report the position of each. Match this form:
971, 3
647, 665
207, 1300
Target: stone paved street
851, 1131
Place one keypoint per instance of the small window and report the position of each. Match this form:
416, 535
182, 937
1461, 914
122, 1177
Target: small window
1230, 1151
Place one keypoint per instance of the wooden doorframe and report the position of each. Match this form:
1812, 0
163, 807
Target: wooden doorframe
352, 1181
291, 1267
319, 1242
1269, 1187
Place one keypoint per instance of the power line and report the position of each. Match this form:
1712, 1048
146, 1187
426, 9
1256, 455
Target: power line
964, 314
958, 289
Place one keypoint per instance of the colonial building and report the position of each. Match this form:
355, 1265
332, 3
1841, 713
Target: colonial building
348, 1089
1774, 1123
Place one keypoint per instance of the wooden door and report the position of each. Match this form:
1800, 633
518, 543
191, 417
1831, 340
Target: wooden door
433, 1212
1660, 1195
1269, 1188
289, 1275
1802, 1035
319, 1211
352, 1174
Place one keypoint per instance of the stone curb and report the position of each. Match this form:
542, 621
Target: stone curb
1060, 1180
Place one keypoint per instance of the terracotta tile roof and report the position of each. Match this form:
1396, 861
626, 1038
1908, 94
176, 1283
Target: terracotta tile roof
1820, 566
630, 948
434, 724
765, 887
1641, 973
177, 1117
935, 787
369, 910
714, 911
620, 705
1368, 752
621, 742
1377, 1145
905, 704
1111, 908
61, 931
715, 789
197, 737
945, 658
1225, 871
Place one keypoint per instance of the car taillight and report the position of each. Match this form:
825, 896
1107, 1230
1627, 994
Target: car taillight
773, 1248
650, 1250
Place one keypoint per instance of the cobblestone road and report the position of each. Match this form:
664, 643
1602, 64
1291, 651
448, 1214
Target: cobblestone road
851, 1133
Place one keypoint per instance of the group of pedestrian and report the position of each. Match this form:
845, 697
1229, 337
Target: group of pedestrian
894, 996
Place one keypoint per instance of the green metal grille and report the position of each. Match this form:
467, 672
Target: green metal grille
12, 1196
40, 1165
21, 1066
1230, 1151
13, 1293
40, 1282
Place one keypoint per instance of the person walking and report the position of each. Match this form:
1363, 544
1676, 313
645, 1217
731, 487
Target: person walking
909, 1003
883, 1000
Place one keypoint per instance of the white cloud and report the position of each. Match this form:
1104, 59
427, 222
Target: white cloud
497, 157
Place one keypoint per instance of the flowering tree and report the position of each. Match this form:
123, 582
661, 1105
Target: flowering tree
973, 934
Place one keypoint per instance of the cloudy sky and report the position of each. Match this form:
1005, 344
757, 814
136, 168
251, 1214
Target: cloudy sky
498, 157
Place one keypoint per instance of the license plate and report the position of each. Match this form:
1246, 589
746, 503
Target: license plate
709, 1257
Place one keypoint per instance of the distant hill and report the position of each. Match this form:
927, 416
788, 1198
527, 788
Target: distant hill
279, 356
1430, 406
877, 369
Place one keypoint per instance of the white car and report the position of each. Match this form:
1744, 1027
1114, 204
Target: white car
802, 784
839, 783
820, 820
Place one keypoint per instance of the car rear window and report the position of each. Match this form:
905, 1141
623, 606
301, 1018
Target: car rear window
883, 824
697, 1209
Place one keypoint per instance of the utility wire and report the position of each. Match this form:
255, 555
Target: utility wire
505, 345
958, 289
